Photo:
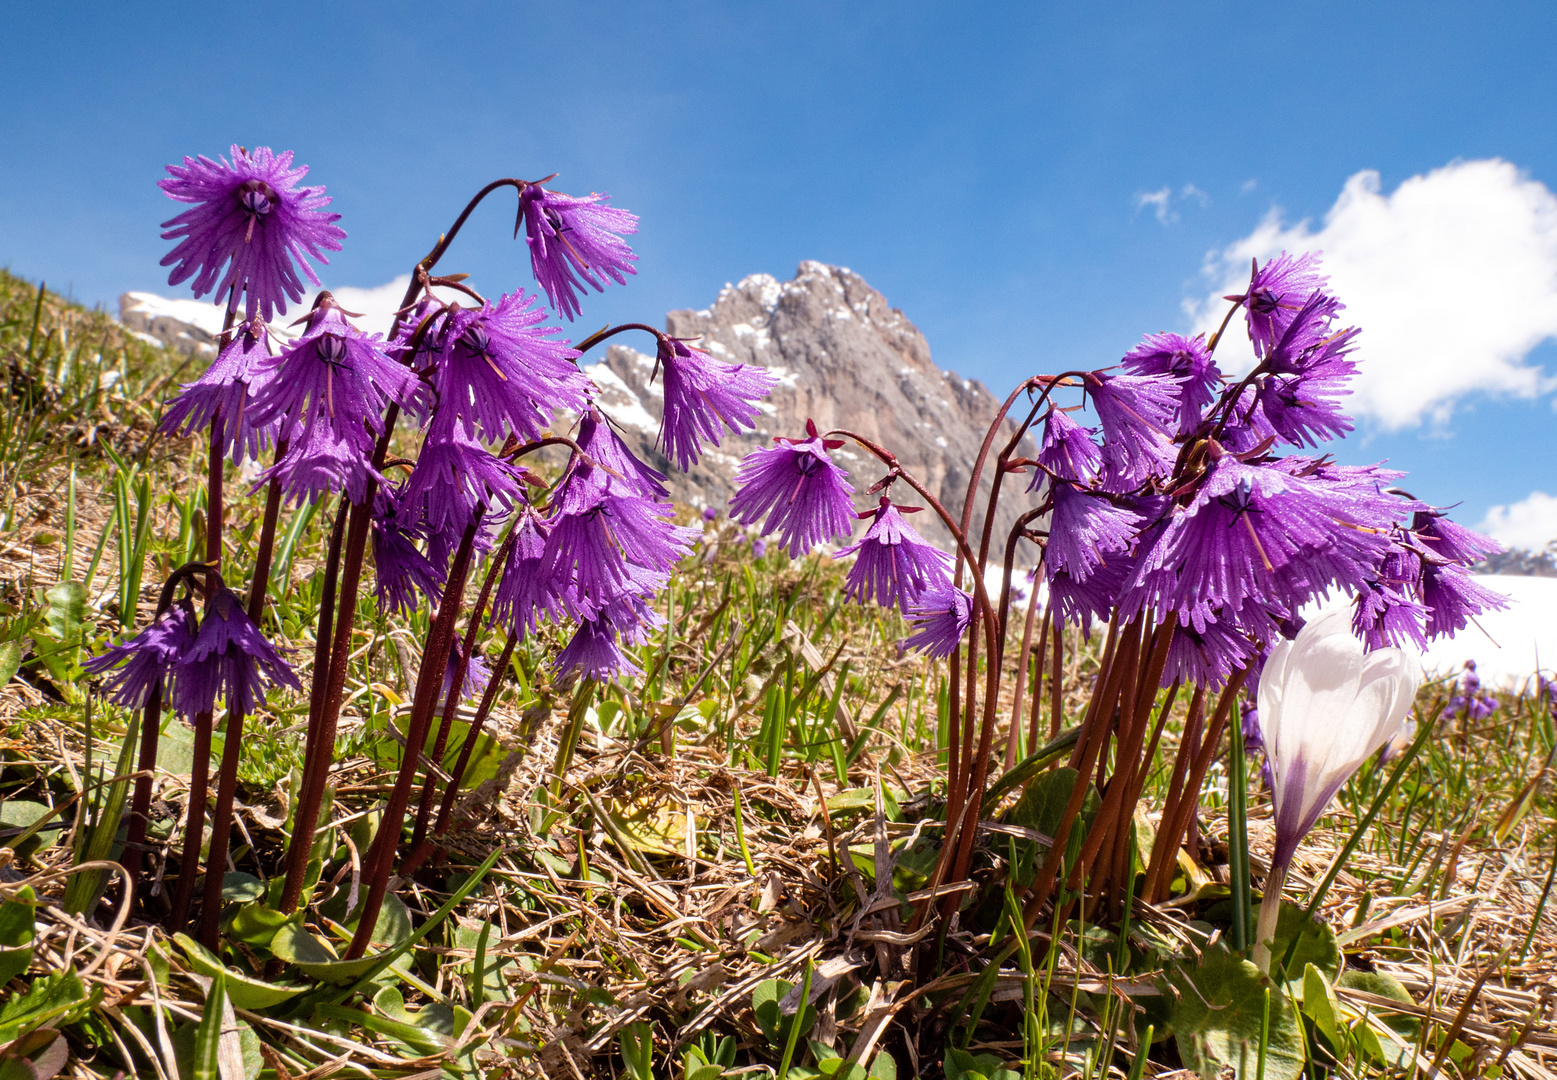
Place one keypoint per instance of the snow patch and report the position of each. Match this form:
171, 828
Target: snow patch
630, 413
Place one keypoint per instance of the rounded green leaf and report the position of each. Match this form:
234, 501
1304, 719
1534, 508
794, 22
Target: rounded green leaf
1218, 1018
243, 991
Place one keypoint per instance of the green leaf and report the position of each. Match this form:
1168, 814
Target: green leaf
1041, 808
240, 888
56, 1000
16, 934
852, 799
1397, 1047
1320, 1006
38, 1055
256, 924
1316, 944
243, 991
315, 958
20, 814
64, 620
208, 1034
1217, 1020
961, 1065
884, 1067
10, 660
775, 1024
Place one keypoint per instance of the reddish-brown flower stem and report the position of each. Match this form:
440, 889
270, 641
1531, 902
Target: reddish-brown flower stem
316, 754
457, 686
221, 829
429, 681
259, 584
1057, 675
611, 331
1023, 662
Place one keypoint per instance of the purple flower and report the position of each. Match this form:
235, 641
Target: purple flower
1453, 598
1068, 450
1138, 415
1452, 542
1306, 370
799, 488
596, 439
320, 461
1209, 655
221, 396
939, 618
1186, 362
594, 651
575, 242
334, 375
501, 373
229, 659
710, 514
453, 476
1389, 611
1278, 535
1277, 292
894, 564
477, 674
524, 595
702, 393
147, 659
400, 569
252, 219
1084, 529
759, 548
1080, 601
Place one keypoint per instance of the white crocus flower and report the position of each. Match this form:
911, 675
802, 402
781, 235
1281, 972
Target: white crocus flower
1326, 704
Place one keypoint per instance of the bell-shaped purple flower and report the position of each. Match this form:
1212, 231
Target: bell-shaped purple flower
503, 373
1453, 598
453, 476
400, 569
1184, 361
525, 596
222, 394
939, 617
336, 375
594, 651
606, 449
800, 490
602, 532
702, 395
893, 564
136, 668
1277, 292
1085, 529
250, 219
229, 659
1450, 541
478, 673
575, 242
1068, 450
1139, 416
319, 461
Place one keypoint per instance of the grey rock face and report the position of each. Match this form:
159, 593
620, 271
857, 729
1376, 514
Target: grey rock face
844, 358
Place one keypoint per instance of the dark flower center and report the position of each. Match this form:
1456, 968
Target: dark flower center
478, 341
331, 350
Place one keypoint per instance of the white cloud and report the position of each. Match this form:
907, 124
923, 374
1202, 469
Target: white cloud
1530, 523
378, 305
1452, 278
1159, 201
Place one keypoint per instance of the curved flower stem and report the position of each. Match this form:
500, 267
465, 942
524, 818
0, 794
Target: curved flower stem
221, 830
611, 331
457, 687
429, 681
317, 753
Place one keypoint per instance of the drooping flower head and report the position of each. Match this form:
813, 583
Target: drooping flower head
320, 460
1186, 362
400, 569
594, 651
502, 372
1138, 414
575, 242
229, 659
138, 667
800, 490
893, 564
1084, 529
1068, 450
221, 395
702, 395
336, 375
525, 595
477, 674
455, 476
940, 617
1277, 292
1470, 698
250, 225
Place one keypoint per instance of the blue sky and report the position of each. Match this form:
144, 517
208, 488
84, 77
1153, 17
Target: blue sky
1034, 185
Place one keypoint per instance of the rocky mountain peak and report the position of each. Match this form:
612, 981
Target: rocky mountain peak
845, 358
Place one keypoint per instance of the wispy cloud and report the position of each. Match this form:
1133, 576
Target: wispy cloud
1530, 523
1158, 200
1452, 277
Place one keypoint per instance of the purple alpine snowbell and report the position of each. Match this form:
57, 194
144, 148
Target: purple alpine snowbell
940, 618
400, 569
893, 564
502, 373
702, 393
250, 217
1139, 416
1185, 361
222, 395
594, 651
800, 489
524, 597
1277, 292
1068, 450
453, 476
229, 659
147, 659
575, 242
